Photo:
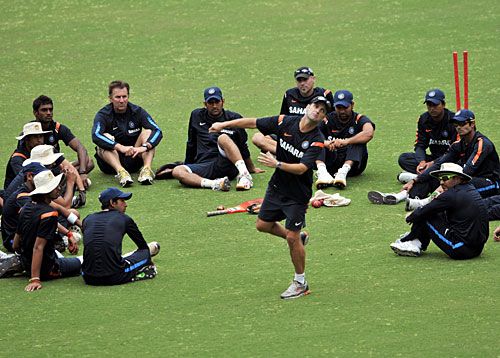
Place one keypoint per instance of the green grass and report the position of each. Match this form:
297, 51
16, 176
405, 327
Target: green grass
217, 292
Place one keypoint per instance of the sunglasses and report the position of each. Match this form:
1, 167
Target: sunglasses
446, 177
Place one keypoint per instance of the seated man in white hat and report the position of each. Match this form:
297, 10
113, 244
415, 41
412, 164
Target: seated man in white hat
36, 231
31, 137
456, 220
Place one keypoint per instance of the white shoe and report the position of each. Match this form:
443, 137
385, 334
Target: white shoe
340, 179
295, 290
324, 180
405, 177
407, 248
244, 182
146, 176
222, 184
124, 178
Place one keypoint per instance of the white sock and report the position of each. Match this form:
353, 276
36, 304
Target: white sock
322, 168
300, 278
207, 183
242, 167
402, 195
345, 168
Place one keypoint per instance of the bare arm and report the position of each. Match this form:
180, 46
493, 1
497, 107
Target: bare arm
81, 152
269, 160
235, 123
362, 137
36, 264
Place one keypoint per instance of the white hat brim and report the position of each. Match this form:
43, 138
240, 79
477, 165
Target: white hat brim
24, 135
47, 188
44, 161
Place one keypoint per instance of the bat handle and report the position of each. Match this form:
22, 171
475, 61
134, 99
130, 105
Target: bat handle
216, 212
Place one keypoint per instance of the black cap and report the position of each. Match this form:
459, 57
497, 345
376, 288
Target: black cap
303, 72
324, 100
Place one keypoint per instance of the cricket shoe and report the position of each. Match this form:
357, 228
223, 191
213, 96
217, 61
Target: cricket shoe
324, 180
295, 290
124, 178
405, 177
145, 273
154, 248
340, 179
376, 197
222, 184
146, 176
10, 265
407, 248
79, 200
244, 182
304, 237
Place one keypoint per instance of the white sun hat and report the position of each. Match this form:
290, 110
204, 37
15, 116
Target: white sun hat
45, 182
43, 154
450, 169
32, 128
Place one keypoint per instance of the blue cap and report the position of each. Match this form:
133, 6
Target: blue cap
303, 72
113, 193
464, 115
435, 96
213, 93
34, 168
342, 98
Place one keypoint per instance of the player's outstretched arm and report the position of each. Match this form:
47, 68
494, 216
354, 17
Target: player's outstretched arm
235, 123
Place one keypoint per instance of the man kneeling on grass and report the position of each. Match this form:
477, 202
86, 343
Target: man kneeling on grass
103, 263
456, 220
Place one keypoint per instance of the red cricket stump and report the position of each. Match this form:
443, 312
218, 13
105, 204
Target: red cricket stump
457, 80
466, 80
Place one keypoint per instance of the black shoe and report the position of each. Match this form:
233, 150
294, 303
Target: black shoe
145, 273
10, 265
165, 171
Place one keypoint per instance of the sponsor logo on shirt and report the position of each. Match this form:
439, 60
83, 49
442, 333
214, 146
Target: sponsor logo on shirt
130, 131
296, 110
445, 142
291, 149
227, 131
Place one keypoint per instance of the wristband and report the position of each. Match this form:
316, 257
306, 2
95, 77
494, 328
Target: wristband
34, 279
72, 218
145, 145
69, 234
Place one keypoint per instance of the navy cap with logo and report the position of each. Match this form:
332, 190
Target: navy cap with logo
303, 72
113, 193
213, 93
324, 100
464, 115
435, 96
342, 98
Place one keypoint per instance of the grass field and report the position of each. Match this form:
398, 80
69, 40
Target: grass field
217, 292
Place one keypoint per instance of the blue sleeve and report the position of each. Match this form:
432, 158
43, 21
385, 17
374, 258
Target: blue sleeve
148, 123
98, 130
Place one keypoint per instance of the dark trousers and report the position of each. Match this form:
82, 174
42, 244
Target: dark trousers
493, 205
485, 187
356, 152
408, 162
437, 230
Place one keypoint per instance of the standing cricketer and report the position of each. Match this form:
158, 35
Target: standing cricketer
300, 143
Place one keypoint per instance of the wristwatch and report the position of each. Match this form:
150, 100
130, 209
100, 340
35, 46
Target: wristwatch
278, 164
145, 146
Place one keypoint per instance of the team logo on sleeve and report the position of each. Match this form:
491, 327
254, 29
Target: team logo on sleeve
351, 130
305, 144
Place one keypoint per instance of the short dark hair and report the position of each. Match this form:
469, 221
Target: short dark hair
42, 99
108, 205
38, 198
118, 84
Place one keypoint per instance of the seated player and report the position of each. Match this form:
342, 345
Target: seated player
434, 132
212, 160
349, 133
103, 263
456, 221
126, 137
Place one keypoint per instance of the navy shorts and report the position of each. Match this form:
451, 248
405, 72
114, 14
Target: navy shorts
218, 168
63, 267
277, 207
133, 264
132, 165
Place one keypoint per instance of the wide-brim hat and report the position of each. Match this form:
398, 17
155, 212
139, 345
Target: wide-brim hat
32, 128
450, 169
45, 182
43, 154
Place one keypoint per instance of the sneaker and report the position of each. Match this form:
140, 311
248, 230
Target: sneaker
146, 176
407, 248
340, 179
145, 273
390, 199
244, 182
324, 180
124, 178
296, 290
412, 204
405, 177
10, 265
304, 236
154, 248
79, 200
222, 184
376, 197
